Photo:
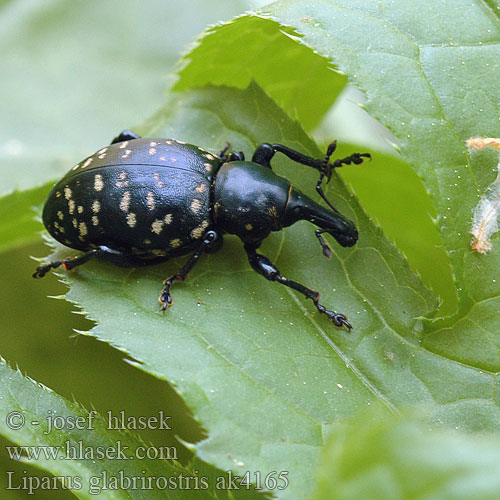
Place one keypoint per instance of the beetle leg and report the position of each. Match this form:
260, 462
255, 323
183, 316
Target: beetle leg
327, 251
165, 298
126, 135
232, 156
68, 263
265, 152
266, 268
102, 252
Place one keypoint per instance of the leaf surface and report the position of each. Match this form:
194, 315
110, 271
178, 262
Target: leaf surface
264, 373
60, 437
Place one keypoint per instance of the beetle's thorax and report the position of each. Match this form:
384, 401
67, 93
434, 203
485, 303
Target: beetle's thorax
249, 200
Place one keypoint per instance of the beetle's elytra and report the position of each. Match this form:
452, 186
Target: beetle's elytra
141, 201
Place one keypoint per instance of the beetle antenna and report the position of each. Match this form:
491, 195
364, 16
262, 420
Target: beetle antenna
327, 251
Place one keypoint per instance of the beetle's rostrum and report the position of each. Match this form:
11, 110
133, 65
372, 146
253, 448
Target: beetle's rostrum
142, 201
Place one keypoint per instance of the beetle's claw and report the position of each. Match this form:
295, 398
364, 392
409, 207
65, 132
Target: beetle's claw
339, 320
165, 302
165, 299
43, 269
40, 272
327, 171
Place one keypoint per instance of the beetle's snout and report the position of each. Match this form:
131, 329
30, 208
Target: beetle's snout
301, 207
347, 236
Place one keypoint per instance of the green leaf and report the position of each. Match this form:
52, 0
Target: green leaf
389, 458
298, 80
17, 217
401, 206
61, 437
261, 370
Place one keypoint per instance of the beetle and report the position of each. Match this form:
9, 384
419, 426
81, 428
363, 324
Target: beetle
142, 201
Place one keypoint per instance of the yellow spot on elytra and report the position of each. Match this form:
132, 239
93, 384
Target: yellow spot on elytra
152, 151
160, 184
201, 188
124, 144
180, 142
95, 220
75, 222
249, 227
80, 209
273, 212
98, 183
147, 242
67, 193
150, 200
173, 160
131, 219
88, 162
209, 156
156, 176
123, 182
71, 207
127, 153
195, 205
125, 201
60, 215
153, 144
157, 226
159, 253
208, 167
197, 232
82, 228
163, 158
168, 218
102, 151
96, 206
175, 243
169, 142
58, 194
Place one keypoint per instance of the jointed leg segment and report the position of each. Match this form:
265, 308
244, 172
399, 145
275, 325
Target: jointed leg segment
265, 152
68, 263
266, 268
165, 298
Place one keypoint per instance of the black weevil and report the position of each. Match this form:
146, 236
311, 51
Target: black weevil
141, 201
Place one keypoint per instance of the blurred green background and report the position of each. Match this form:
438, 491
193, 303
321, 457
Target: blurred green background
74, 74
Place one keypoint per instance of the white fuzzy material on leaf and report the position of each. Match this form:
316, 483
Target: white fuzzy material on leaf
485, 221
